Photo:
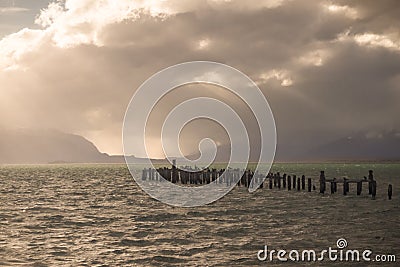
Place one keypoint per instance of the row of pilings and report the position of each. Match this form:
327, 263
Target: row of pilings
273, 180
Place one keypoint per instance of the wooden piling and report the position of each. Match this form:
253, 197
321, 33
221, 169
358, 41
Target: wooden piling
284, 180
278, 176
373, 189
197, 176
359, 188
174, 172
144, 174
214, 175
370, 181
322, 185
294, 182
390, 191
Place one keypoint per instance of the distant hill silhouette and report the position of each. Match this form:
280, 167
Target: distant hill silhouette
37, 146
358, 147
373, 146
50, 146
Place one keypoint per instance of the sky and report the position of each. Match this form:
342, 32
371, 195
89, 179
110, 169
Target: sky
329, 69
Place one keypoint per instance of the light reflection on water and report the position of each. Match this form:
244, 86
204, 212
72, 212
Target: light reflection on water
95, 215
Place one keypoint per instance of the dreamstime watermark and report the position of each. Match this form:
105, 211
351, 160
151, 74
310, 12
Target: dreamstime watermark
338, 253
153, 91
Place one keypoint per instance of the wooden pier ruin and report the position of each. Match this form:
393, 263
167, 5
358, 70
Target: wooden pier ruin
273, 180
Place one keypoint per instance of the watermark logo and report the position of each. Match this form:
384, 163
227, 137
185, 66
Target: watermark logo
154, 90
341, 243
340, 253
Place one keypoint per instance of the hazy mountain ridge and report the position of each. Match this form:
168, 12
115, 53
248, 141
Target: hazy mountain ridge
370, 146
361, 146
44, 146
27, 146
50, 146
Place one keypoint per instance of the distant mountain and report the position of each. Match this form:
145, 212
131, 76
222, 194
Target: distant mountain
49, 146
44, 146
371, 146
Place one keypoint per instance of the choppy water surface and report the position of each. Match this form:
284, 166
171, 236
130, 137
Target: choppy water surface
95, 215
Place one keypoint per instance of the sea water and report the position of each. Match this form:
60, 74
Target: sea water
96, 215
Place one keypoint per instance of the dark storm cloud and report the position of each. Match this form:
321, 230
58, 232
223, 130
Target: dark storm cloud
328, 68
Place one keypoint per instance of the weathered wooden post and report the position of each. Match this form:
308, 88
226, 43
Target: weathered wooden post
214, 174
150, 174
294, 182
369, 187
298, 184
284, 180
373, 189
309, 184
174, 172
289, 183
303, 182
144, 174
169, 174
390, 191
370, 179
160, 172
190, 177
251, 175
359, 188
156, 174
278, 176
322, 184
199, 179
